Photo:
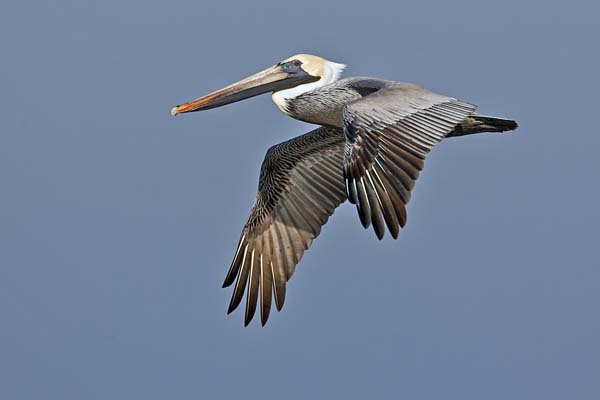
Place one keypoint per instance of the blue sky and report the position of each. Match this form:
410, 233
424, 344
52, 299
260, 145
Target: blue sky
118, 222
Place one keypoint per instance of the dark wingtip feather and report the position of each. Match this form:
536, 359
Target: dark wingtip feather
231, 308
266, 287
230, 278
376, 211
279, 290
378, 226
351, 191
250, 310
236, 263
234, 303
364, 219
279, 305
403, 217
238, 291
362, 206
253, 290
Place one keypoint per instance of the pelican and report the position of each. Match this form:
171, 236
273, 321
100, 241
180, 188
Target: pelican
371, 145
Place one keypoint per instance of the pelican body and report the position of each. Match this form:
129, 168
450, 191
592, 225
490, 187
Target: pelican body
370, 148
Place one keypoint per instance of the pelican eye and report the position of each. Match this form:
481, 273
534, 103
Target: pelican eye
291, 66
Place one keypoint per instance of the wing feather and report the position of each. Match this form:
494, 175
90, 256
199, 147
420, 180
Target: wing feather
388, 135
301, 184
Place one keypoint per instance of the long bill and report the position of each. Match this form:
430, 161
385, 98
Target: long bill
269, 80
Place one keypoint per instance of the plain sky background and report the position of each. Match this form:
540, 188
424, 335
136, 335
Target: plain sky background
118, 222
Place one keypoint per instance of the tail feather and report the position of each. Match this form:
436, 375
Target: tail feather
480, 123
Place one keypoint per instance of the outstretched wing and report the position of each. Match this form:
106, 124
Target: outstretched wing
301, 183
388, 135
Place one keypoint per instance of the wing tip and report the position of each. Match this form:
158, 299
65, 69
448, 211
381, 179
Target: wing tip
231, 308
278, 305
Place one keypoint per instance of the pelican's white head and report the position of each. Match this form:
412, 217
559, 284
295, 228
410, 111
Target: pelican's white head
287, 79
327, 72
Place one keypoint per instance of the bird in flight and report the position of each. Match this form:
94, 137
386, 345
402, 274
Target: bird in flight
371, 145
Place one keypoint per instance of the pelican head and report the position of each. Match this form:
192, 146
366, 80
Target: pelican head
286, 79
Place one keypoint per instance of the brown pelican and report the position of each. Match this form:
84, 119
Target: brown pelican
370, 148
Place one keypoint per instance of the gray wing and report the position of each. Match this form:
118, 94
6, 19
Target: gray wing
388, 135
301, 183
